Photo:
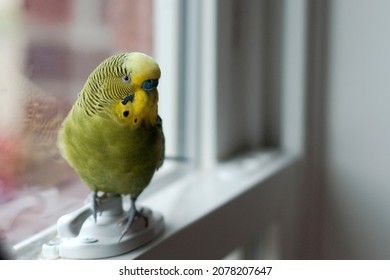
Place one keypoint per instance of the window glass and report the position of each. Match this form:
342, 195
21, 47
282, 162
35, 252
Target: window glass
48, 49
248, 110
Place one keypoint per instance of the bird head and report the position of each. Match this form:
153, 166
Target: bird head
127, 88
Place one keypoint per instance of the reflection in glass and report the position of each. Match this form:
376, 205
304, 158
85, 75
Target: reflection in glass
48, 49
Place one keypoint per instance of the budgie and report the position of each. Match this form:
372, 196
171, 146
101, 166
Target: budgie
113, 135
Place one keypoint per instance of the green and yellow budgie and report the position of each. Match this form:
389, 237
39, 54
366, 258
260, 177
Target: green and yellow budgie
113, 135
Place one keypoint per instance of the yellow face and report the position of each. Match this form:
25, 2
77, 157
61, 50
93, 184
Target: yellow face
139, 90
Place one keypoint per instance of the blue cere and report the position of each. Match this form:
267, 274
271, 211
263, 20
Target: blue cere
149, 84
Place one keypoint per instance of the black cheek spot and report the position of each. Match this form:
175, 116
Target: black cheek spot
126, 114
135, 120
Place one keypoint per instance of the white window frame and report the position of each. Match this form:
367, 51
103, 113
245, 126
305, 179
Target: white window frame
216, 207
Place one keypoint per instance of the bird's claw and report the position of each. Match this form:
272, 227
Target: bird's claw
129, 220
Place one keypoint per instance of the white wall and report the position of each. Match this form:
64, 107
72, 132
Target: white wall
358, 131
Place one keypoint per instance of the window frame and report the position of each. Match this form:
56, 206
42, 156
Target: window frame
220, 197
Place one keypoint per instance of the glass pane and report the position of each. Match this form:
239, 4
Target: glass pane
48, 49
248, 112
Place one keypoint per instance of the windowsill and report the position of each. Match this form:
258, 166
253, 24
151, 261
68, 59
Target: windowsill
207, 214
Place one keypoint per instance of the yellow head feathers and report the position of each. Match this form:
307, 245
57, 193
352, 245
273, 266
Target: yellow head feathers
124, 87
141, 67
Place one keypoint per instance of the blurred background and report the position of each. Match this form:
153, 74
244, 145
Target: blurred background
48, 48
355, 129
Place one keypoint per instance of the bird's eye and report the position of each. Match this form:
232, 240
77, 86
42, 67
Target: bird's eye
126, 79
149, 84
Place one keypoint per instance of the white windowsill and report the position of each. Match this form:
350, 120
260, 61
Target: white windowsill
207, 214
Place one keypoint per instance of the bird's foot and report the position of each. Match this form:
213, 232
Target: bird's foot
96, 206
131, 217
